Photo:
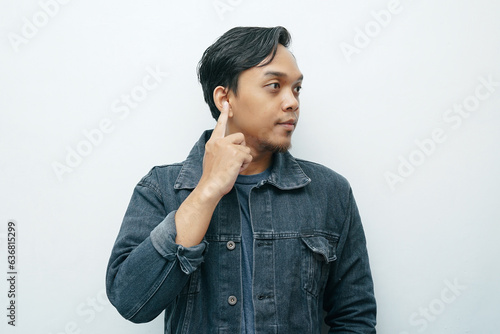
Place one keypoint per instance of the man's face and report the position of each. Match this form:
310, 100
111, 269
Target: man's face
266, 107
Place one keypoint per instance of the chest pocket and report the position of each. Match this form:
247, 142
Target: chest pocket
320, 251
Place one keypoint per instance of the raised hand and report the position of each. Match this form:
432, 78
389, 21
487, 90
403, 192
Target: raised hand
225, 157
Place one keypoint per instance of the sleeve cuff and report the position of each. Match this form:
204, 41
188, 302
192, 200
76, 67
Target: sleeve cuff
163, 239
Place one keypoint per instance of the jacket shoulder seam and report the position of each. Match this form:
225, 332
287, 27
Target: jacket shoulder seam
151, 181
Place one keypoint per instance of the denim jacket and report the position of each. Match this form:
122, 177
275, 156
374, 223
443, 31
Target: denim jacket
310, 258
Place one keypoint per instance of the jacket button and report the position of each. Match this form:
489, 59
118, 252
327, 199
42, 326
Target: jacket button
230, 245
232, 300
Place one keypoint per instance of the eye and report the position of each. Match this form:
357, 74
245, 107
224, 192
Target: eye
298, 89
274, 85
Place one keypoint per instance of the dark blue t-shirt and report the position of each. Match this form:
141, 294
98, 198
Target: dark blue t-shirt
243, 185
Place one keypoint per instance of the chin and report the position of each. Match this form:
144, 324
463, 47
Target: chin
276, 147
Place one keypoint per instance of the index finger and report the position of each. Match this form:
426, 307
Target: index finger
220, 127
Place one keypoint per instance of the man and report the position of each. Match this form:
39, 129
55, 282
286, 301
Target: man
242, 237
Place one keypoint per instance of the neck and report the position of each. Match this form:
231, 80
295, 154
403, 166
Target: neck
260, 162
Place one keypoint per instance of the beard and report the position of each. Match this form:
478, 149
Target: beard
275, 147
269, 144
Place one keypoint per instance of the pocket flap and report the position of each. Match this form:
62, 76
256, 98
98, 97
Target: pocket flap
323, 246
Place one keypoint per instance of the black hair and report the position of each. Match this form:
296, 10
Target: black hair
237, 50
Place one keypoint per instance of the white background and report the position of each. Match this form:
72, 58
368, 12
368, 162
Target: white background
361, 113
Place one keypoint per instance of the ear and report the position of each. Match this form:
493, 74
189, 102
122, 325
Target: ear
220, 96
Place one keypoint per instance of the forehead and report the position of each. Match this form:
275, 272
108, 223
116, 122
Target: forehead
283, 63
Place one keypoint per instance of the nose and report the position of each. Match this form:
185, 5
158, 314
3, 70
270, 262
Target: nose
290, 101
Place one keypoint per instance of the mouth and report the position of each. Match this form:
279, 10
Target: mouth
289, 124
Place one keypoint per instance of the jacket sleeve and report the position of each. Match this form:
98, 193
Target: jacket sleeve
147, 269
349, 299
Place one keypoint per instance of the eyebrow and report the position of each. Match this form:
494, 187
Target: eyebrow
280, 75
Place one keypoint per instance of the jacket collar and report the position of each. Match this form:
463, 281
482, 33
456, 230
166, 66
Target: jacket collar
286, 173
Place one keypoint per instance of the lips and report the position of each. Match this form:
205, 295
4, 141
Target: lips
289, 124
